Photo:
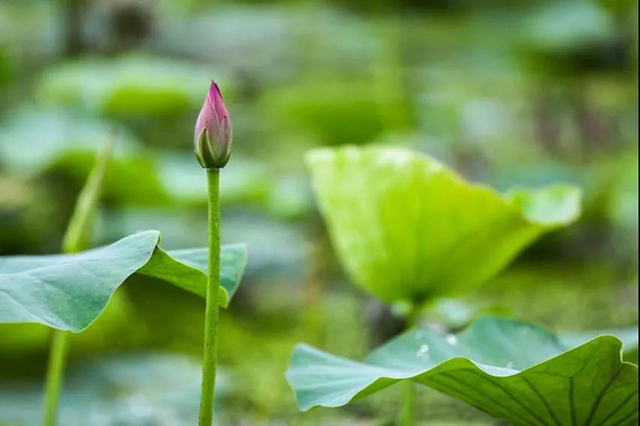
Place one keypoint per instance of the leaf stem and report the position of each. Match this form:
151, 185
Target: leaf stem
408, 411
55, 376
76, 238
212, 309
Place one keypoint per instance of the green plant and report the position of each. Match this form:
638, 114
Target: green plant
509, 369
409, 230
68, 292
76, 239
212, 147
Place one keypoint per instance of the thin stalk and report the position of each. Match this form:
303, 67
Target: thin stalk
212, 309
76, 238
55, 376
388, 74
408, 411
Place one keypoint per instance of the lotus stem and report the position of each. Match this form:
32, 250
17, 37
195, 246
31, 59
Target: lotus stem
408, 411
55, 376
76, 238
212, 309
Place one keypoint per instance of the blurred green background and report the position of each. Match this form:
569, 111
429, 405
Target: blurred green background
507, 92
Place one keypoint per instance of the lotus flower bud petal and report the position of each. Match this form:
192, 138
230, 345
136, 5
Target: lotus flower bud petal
213, 133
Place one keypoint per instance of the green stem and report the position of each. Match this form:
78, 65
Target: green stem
408, 411
212, 309
76, 238
55, 376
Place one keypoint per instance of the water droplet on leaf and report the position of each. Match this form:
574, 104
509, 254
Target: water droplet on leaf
423, 352
452, 340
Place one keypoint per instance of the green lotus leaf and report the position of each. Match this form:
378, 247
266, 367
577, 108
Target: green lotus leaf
69, 291
511, 370
407, 228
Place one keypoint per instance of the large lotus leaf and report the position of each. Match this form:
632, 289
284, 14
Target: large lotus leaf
69, 292
513, 371
408, 228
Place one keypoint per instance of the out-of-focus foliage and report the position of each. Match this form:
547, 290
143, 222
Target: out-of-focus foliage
128, 88
5, 68
568, 25
142, 388
32, 139
340, 113
66, 147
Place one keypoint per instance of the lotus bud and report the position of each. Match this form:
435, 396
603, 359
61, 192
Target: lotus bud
212, 136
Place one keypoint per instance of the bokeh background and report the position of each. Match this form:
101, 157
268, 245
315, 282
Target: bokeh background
507, 92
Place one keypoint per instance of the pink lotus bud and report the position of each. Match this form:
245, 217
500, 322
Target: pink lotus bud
212, 136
